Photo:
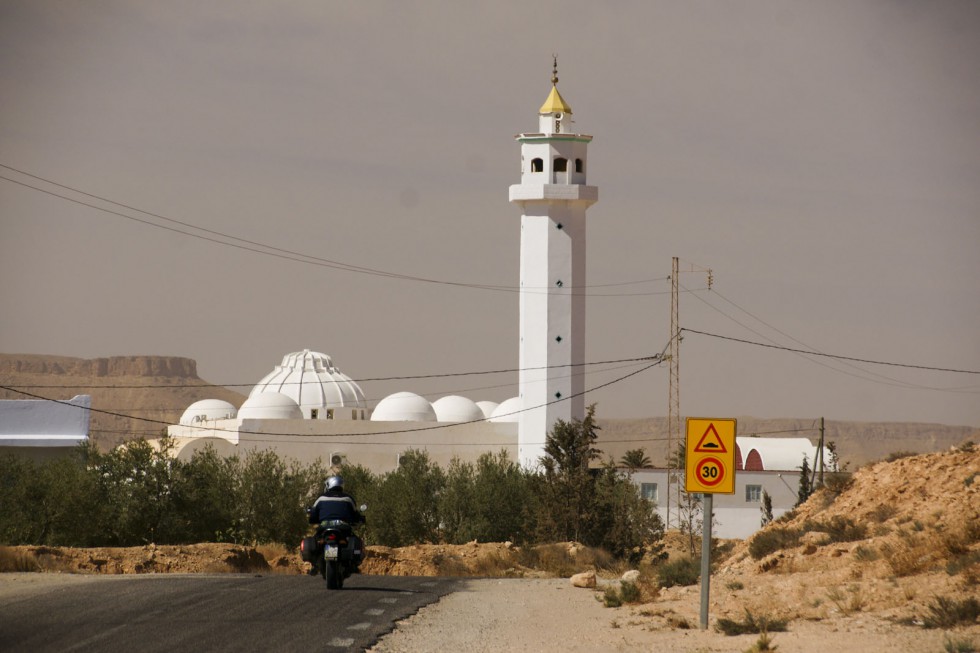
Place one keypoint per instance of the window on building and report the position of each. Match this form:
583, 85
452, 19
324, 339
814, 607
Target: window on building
561, 165
579, 166
537, 165
314, 413
330, 413
753, 493
649, 491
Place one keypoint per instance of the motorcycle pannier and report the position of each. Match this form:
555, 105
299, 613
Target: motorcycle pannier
308, 549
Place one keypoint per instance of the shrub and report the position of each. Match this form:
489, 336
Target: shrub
883, 512
839, 528
751, 625
847, 603
630, 592
951, 645
626, 593
898, 455
945, 612
611, 598
680, 572
771, 540
764, 643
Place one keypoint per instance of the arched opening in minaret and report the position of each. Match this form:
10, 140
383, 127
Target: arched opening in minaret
561, 164
579, 166
537, 165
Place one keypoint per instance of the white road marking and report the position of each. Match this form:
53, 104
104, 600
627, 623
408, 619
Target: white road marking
364, 625
341, 642
389, 601
374, 612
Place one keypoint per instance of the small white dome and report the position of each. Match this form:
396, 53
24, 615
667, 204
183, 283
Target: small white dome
457, 409
270, 405
487, 407
207, 409
403, 407
315, 384
508, 411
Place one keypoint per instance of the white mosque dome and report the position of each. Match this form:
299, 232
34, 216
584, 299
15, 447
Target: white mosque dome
208, 409
270, 405
315, 384
403, 407
487, 407
454, 408
782, 454
508, 411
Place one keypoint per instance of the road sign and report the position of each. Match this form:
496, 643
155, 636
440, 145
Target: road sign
710, 456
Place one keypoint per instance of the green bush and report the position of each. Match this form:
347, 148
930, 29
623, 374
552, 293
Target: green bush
751, 625
680, 572
839, 528
945, 612
773, 539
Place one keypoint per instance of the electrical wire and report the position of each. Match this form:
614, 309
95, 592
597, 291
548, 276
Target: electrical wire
310, 438
410, 377
256, 247
835, 356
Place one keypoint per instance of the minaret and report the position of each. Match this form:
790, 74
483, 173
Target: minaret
553, 197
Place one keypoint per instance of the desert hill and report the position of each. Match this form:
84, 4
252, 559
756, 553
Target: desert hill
159, 388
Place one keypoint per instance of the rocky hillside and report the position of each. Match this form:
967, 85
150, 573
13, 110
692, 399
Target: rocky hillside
154, 390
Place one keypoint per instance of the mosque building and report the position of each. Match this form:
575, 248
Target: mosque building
307, 408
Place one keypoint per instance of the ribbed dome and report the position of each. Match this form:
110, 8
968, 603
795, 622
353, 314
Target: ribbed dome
315, 384
457, 409
487, 407
403, 407
270, 405
509, 411
208, 409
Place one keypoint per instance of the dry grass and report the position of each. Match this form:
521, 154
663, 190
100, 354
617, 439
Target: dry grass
17, 560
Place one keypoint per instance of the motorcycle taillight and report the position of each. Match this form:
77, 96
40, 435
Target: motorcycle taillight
332, 537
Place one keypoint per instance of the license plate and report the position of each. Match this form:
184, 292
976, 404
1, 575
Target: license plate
331, 553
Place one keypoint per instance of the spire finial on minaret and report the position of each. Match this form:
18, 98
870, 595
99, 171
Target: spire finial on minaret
555, 103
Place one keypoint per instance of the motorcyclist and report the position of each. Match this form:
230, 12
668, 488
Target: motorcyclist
335, 504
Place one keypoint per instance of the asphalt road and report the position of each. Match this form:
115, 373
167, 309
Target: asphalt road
227, 612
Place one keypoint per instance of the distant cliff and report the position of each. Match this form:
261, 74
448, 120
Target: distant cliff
155, 366
153, 390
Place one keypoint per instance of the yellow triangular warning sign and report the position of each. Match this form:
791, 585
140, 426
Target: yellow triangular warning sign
710, 442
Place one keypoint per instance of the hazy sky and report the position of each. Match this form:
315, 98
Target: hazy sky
822, 158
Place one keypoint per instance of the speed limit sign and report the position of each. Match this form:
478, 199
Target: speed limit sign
710, 456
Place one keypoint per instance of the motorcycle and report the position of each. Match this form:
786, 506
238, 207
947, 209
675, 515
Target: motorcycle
334, 550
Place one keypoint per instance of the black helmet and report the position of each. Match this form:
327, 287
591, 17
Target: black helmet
333, 482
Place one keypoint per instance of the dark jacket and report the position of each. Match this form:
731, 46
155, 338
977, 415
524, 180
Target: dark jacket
335, 504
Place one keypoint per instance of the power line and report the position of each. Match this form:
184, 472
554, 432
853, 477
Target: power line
282, 253
835, 356
310, 438
411, 377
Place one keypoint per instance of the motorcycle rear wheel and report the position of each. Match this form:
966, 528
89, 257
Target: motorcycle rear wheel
334, 575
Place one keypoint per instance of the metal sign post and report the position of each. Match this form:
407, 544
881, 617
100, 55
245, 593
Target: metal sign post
709, 469
706, 559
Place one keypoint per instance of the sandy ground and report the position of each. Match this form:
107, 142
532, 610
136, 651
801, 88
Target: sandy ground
501, 615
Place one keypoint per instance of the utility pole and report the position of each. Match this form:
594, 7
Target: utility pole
674, 402
818, 461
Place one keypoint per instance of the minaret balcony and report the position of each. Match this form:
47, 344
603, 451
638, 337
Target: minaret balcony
554, 192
